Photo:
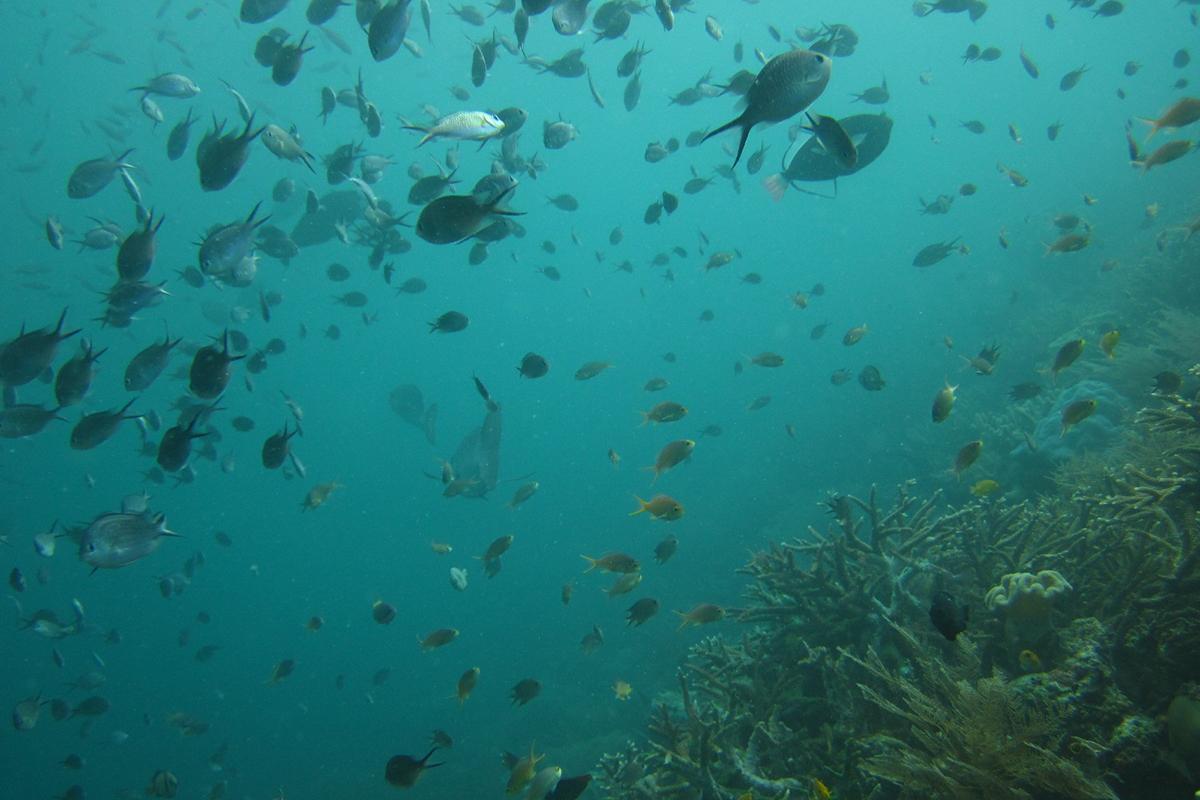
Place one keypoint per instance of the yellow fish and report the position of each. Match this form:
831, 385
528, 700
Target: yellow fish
1108, 343
819, 790
1029, 661
622, 690
985, 487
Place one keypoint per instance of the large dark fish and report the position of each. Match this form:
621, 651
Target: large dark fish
255, 11
786, 85
454, 218
74, 378
28, 355
25, 419
947, 616
117, 540
210, 370
388, 28
145, 367
221, 157
96, 428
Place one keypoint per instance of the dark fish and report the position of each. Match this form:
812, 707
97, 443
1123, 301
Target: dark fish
947, 616
267, 46
533, 366
255, 11
117, 540
786, 85
176, 446
450, 322
321, 11
210, 372
25, 419
454, 218
525, 690
641, 611
275, 449
387, 29
573, 787
871, 379
221, 157
288, 60
931, 254
74, 378
177, 140
136, 254
89, 177
403, 771
31, 353
145, 367
96, 428
834, 139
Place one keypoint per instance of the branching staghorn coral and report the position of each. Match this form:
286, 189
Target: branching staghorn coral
967, 739
840, 675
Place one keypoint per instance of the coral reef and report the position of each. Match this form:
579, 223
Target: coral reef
838, 675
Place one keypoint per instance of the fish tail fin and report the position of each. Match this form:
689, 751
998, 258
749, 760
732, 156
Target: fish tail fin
775, 185
642, 506
591, 563
733, 123
1154, 127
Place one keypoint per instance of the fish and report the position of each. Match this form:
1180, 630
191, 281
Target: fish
968, 454
661, 506
1180, 114
703, 614
671, 455
471, 126
525, 691
785, 86
943, 403
466, 684
984, 487
948, 617
1066, 356
612, 562
115, 540
1108, 343
641, 611
387, 30
451, 219
834, 139
404, 771
1075, 413
91, 176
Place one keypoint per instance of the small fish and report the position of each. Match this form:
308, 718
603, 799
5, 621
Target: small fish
968, 454
985, 487
1066, 356
661, 506
1076, 413
1108, 343
943, 403
703, 614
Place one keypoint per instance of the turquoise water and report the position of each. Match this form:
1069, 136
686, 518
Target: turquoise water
752, 484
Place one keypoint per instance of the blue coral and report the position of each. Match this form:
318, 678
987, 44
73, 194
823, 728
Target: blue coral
1095, 433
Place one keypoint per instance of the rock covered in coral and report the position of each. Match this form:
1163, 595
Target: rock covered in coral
1099, 431
1027, 600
